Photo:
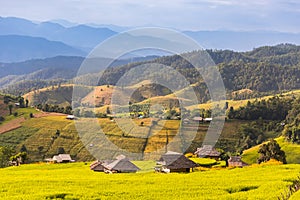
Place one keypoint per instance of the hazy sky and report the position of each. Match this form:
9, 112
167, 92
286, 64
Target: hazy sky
278, 15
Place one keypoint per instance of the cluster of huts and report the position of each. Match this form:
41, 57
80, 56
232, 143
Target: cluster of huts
208, 151
169, 162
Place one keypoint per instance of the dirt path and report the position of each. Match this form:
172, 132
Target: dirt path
12, 125
47, 114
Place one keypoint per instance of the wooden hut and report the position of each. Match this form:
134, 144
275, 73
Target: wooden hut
236, 161
121, 165
62, 158
98, 166
207, 151
175, 162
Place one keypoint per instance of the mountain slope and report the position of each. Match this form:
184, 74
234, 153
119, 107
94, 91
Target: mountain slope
18, 48
87, 36
80, 36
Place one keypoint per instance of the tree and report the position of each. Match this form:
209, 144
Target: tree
19, 158
224, 156
251, 135
26, 103
23, 148
231, 113
61, 150
57, 133
21, 102
271, 150
40, 149
5, 154
68, 110
107, 110
10, 107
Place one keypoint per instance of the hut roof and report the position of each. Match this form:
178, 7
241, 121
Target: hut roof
207, 150
62, 157
237, 159
57, 159
174, 160
65, 157
99, 165
122, 165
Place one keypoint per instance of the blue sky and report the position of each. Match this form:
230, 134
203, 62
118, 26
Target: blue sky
274, 15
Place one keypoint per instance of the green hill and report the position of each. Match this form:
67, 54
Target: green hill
292, 152
38, 135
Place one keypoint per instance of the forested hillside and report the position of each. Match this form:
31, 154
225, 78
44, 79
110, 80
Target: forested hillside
263, 70
22, 77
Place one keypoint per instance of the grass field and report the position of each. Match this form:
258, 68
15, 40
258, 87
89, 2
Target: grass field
77, 181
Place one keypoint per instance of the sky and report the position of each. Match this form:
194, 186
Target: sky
239, 15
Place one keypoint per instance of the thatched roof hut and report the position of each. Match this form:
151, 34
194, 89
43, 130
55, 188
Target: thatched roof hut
121, 165
207, 151
98, 166
236, 161
175, 162
62, 158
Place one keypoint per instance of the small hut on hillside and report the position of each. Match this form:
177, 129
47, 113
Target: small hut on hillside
174, 162
236, 161
207, 151
121, 165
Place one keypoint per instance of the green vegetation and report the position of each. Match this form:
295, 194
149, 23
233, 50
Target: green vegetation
272, 109
5, 154
292, 152
271, 150
258, 70
77, 181
39, 135
40, 138
207, 162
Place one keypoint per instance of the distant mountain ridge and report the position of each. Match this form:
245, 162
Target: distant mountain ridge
87, 36
20, 48
80, 36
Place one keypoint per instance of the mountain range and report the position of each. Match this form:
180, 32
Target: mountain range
23, 39
268, 69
